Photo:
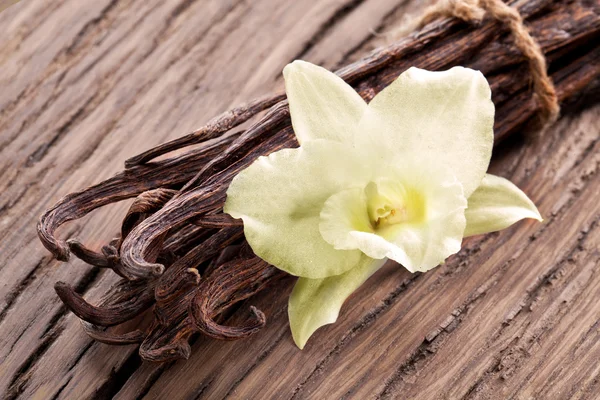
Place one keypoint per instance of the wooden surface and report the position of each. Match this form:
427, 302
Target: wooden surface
87, 84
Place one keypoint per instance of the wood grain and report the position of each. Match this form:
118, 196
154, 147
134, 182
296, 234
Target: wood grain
88, 84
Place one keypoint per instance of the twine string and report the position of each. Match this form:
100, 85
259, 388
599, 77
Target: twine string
473, 11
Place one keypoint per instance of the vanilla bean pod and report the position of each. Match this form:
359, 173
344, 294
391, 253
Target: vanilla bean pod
113, 300
114, 308
127, 184
116, 339
228, 284
176, 242
128, 299
216, 127
187, 305
172, 281
146, 203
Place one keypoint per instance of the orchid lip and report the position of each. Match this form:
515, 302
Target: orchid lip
391, 203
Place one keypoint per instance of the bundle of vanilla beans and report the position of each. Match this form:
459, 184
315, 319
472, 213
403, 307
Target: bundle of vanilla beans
181, 257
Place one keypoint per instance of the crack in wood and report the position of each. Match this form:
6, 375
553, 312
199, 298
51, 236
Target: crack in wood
326, 27
53, 331
14, 294
107, 52
44, 12
262, 356
92, 28
388, 20
203, 389
151, 380
19, 380
60, 389
118, 378
79, 115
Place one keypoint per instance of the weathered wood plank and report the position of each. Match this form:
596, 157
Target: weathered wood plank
87, 85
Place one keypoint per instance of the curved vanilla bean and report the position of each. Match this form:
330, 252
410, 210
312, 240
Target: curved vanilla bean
129, 183
87, 255
137, 259
216, 221
228, 284
145, 204
103, 335
167, 343
205, 324
214, 128
109, 258
124, 301
173, 280
168, 337
112, 257
154, 268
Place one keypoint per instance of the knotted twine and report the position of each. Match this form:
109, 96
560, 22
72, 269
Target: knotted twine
473, 11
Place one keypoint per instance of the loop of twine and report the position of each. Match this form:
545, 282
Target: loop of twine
473, 11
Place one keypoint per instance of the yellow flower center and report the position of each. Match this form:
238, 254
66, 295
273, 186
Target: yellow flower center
391, 203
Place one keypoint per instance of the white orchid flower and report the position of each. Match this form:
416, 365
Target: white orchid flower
402, 178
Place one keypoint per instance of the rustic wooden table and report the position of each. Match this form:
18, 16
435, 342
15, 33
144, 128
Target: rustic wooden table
87, 84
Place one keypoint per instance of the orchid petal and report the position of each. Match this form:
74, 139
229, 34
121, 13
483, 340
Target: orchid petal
279, 198
317, 302
497, 204
322, 105
446, 118
342, 214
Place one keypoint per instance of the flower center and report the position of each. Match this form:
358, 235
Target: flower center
391, 203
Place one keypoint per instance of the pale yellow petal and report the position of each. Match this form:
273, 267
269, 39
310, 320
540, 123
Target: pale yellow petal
444, 118
317, 302
497, 204
279, 198
343, 213
322, 105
